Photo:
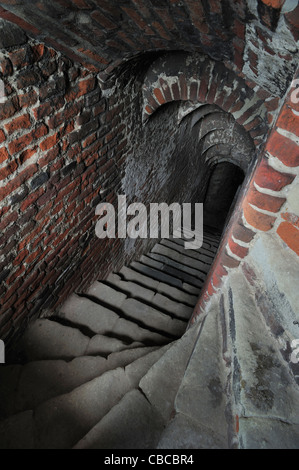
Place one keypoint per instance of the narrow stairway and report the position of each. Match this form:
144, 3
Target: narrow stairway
103, 371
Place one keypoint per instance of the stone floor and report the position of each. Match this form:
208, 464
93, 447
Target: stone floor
103, 371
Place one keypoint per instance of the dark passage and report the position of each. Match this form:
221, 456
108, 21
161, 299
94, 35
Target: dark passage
225, 181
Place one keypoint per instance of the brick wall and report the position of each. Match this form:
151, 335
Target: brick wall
54, 155
72, 127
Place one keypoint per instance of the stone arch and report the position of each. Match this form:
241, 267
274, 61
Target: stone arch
197, 78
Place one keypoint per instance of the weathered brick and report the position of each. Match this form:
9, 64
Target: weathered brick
22, 122
3, 154
21, 143
257, 219
290, 235
264, 201
268, 178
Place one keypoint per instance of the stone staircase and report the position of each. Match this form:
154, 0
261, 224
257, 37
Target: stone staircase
103, 371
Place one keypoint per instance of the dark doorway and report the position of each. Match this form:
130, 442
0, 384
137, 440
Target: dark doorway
225, 181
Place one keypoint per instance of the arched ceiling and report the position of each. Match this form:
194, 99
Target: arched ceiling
103, 33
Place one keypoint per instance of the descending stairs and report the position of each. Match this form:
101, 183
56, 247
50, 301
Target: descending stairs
103, 371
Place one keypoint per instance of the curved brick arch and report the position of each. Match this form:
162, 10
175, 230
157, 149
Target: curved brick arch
218, 137
193, 77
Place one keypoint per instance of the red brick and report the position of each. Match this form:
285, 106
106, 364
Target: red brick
240, 232
3, 154
257, 219
10, 218
20, 144
292, 218
6, 67
18, 260
22, 122
17, 181
228, 261
288, 120
96, 57
20, 58
68, 113
290, 235
8, 109
2, 136
197, 15
103, 20
138, 20
27, 154
237, 249
33, 256
268, 178
159, 96
82, 4
49, 143
15, 275
8, 170
193, 91
283, 148
31, 199
264, 201
274, 3
38, 51
292, 19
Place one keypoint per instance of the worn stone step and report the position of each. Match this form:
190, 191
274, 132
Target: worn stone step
106, 294
157, 300
84, 312
207, 247
161, 383
164, 277
172, 271
153, 318
181, 258
204, 383
26, 387
182, 267
172, 292
196, 254
62, 421
45, 339
131, 424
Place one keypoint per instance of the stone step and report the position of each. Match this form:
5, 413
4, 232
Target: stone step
172, 292
153, 318
106, 294
207, 247
172, 271
62, 421
100, 320
159, 301
196, 254
45, 339
164, 277
26, 387
181, 258
204, 383
182, 267
131, 424
161, 383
